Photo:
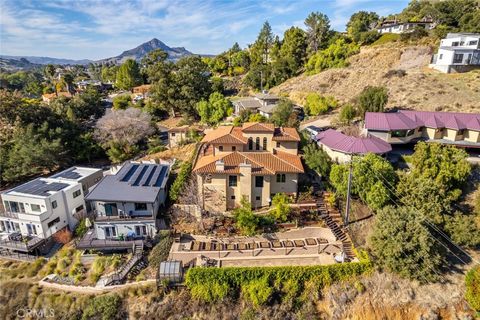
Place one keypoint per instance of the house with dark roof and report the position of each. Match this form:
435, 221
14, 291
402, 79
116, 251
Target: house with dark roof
340, 147
405, 126
259, 103
125, 204
32, 212
254, 161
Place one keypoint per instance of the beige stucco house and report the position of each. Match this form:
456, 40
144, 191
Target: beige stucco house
254, 161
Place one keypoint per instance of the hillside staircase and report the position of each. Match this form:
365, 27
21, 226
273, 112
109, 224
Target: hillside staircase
333, 219
133, 267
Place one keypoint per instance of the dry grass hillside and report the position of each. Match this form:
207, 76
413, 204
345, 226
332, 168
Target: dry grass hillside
418, 88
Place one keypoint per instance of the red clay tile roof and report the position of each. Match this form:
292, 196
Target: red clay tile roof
179, 129
258, 127
263, 163
285, 134
225, 134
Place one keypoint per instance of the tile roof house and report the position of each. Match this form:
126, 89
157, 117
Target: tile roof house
256, 160
340, 147
404, 126
126, 203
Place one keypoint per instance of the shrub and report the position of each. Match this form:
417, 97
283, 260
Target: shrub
122, 102
347, 114
81, 229
317, 104
257, 291
463, 229
472, 284
335, 56
63, 236
180, 180
161, 250
281, 208
245, 220
372, 99
156, 149
201, 281
105, 307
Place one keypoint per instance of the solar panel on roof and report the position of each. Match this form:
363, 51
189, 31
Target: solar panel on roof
155, 176
140, 176
159, 181
129, 173
135, 174
150, 175
40, 188
146, 175
68, 174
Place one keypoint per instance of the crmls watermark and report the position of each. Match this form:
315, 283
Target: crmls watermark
35, 313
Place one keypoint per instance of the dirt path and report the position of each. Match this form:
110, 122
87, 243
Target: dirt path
92, 290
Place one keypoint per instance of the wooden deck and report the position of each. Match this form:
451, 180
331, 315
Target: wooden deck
90, 241
21, 246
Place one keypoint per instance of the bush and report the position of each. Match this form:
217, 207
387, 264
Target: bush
463, 229
105, 307
81, 229
245, 220
472, 284
257, 291
122, 102
180, 180
317, 104
347, 114
213, 284
156, 149
372, 99
281, 208
161, 250
335, 56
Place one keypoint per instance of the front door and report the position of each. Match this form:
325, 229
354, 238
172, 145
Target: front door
111, 209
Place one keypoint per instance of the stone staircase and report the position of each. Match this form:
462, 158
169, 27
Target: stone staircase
133, 266
333, 219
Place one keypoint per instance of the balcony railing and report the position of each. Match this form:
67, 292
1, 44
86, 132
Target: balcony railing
120, 216
8, 214
26, 244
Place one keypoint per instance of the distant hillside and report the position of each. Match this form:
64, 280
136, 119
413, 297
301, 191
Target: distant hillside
142, 50
418, 88
16, 64
47, 60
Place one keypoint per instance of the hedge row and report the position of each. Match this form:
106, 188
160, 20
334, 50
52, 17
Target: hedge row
213, 284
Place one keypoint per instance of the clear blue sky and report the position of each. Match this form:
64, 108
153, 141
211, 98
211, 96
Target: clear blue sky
92, 29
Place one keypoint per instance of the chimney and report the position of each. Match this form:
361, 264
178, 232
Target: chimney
219, 165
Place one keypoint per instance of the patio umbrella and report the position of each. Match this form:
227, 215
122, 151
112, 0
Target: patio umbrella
88, 224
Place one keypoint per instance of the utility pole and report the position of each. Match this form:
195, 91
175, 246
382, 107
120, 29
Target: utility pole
347, 209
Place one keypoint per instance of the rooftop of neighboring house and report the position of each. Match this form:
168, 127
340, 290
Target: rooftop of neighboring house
183, 128
75, 173
409, 120
235, 135
255, 102
395, 22
134, 182
268, 108
338, 141
262, 163
44, 187
462, 34
40, 188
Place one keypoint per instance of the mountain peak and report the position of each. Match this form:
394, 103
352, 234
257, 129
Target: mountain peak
142, 50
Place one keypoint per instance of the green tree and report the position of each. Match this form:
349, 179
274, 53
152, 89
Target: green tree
128, 75
215, 109
435, 180
122, 102
318, 30
284, 115
347, 114
359, 23
260, 50
335, 56
464, 229
293, 49
281, 208
373, 177
317, 159
245, 220
401, 244
109, 74
316, 104
372, 99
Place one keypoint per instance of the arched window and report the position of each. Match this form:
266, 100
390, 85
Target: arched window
257, 143
250, 143
265, 143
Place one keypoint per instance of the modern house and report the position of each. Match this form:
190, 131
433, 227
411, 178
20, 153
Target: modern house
395, 26
253, 104
341, 147
35, 210
458, 52
405, 126
125, 204
254, 161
